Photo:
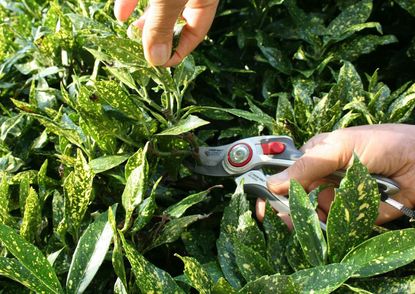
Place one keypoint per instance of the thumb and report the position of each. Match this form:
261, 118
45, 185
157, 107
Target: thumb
318, 162
158, 29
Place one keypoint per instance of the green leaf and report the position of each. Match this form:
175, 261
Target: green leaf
119, 287
353, 212
196, 274
295, 255
275, 284
133, 162
349, 85
186, 72
111, 93
228, 231
187, 124
201, 244
42, 181
71, 134
13, 269
136, 187
173, 229
248, 233
178, 209
323, 279
58, 209
354, 14
376, 256
32, 217
5, 217
124, 75
285, 111
146, 209
24, 188
149, 278
31, 259
11, 126
222, 287
361, 45
89, 254
78, 191
302, 92
402, 107
251, 263
277, 236
227, 261
307, 225
100, 122
408, 5
117, 254
104, 163
122, 50
387, 284
276, 58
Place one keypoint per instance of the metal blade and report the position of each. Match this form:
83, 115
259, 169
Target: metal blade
214, 171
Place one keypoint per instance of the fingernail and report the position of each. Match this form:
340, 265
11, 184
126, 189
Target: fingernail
159, 54
279, 178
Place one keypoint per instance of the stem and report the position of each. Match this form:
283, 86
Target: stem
154, 150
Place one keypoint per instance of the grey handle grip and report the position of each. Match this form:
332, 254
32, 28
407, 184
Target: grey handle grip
385, 185
279, 203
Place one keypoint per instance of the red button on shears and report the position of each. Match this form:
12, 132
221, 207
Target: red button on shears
273, 148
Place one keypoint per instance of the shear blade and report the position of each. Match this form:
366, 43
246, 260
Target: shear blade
213, 171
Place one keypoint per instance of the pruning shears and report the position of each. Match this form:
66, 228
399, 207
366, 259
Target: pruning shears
245, 159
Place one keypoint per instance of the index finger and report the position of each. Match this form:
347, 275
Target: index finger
124, 8
198, 18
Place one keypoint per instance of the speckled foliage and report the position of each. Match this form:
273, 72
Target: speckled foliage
97, 193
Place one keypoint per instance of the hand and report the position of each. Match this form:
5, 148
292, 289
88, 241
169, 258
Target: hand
158, 22
387, 150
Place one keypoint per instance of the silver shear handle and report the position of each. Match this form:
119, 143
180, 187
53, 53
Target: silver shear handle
385, 185
255, 184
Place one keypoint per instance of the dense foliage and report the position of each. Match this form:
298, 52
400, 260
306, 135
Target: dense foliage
95, 192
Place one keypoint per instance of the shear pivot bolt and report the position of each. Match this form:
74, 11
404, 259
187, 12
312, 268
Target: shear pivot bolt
239, 155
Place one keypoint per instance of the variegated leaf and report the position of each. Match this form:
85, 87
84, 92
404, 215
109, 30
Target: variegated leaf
5, 217
222, 287
378, 255
146, 209
136, 187
89, 254
408, 5
295, 255
387, 284
173, 230
353, 15
353, 212
196, 274
148, 277
277, 237
275, 284
178, 209
78, 191
307, 225
42, 181
184, 125
251, 263
117, 254
104, 163
31, 260
122, 50
13, 269
323, 279
32, 217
